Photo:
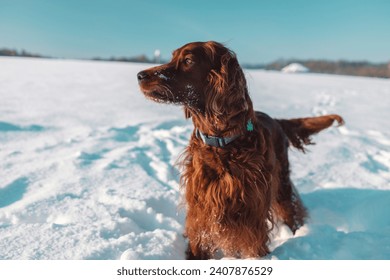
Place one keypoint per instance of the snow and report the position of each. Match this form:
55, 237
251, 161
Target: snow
88, 164
295, 68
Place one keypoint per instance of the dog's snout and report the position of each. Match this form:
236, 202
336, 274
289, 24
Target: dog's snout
142, 76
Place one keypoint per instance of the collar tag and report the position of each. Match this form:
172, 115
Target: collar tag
249, 125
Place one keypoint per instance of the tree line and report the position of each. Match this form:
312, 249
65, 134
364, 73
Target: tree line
340, 67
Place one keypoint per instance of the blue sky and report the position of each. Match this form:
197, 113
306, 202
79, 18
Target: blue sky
258, 31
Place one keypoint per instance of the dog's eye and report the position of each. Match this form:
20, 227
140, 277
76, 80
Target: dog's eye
188, 61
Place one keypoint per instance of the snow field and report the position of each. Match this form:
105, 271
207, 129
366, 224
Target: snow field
88, 164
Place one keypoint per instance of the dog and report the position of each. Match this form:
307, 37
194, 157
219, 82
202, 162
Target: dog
236, 171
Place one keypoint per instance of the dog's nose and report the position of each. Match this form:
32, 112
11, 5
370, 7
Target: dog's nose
142, 76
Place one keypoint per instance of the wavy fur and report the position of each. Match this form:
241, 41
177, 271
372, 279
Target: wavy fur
233, 195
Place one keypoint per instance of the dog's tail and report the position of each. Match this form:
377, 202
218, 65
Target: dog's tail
298, 131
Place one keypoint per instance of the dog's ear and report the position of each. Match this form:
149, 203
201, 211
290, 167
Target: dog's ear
187, 113
227, 90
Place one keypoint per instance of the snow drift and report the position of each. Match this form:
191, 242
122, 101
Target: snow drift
295, 68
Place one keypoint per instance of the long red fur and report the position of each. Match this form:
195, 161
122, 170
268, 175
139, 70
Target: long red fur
234, 195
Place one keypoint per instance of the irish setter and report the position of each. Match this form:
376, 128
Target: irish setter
235, 169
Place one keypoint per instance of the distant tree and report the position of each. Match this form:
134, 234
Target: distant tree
342, 67
9, 52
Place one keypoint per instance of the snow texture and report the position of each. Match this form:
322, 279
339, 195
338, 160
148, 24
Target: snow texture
87, 166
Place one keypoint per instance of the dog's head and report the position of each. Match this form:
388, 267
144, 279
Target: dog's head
205, 77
